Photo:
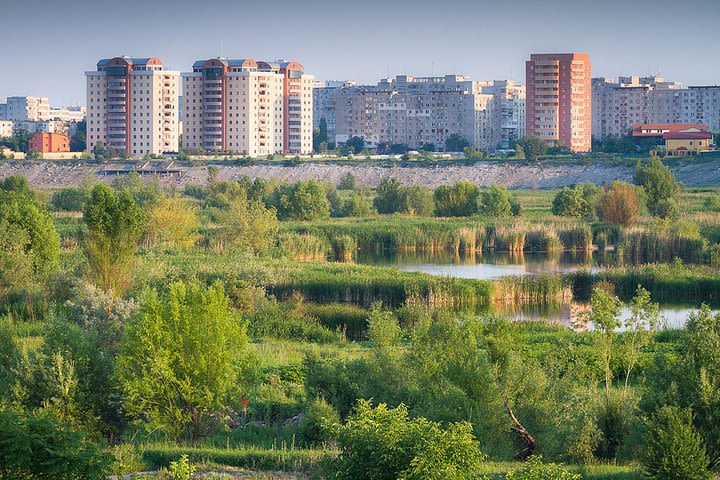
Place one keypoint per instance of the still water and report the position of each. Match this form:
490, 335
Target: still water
491, 266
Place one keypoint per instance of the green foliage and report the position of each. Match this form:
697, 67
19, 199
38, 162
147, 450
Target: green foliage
181, 359
10, 357
659, 184
535, 469
578, 201
387, 196
416, 200
347, 182
319, 423
455, 143
458, 200
675, 450
246, 224
39, 448
144, 193
301, 201
79, 138
619, 204
70, 199
498, 202
357, 205
383, 443
115, 224
533, 147
182, 469
383, 328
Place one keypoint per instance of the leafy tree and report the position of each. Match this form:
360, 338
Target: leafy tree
143, 193
458, 200
658, 182
79, 138
319, 423
386, 444
302, 201
383, 328
247, 224
38, 447
114, 226
428, 147
70, 199
455, 143
619, 204
347, 182
675, 451
320, 135
578, 201
640, 326
181, 359
357, 205
101, 153
355, 144
387, 196
416, 200
10, 357
605, 314
533, 147
497, 202
172, 222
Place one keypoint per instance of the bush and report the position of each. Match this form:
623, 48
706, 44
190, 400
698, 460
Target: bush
458, 200
37, 447
619, 204
498, 202
387, 196
301, 201
658, 182
416, 200
675, 451
69, 199
575, 202
358, 205
386, 444
347, 182
712, 203
535, 469
319, 423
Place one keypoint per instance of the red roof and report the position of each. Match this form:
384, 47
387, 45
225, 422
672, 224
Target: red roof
687, 135
658, 129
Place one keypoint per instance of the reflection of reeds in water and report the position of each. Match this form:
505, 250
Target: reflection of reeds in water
642, 246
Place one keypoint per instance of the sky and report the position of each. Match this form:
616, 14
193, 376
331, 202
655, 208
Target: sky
48, 45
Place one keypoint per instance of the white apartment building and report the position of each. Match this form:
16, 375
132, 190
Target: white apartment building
29, 109
700, 104
68, 115
416, 111
132, 105
251, 107
6, 128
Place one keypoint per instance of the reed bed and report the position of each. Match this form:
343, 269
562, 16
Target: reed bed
642, 246
344, 248
304, 246
539, 289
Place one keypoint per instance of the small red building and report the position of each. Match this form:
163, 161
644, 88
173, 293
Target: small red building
45, 142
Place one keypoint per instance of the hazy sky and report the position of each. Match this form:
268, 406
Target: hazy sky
47, 45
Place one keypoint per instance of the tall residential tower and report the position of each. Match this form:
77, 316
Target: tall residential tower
559, 99
132, 105
254, 108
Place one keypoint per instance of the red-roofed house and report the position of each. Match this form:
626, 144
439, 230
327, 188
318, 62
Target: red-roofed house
659, 129
680, 144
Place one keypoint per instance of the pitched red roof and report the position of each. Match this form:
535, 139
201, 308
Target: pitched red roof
687, 135
658, 129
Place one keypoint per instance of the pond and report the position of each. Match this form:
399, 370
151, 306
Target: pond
491, 266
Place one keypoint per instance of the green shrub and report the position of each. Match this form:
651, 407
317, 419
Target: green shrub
319, 423
535, 469
457, 200
497, 202
675, 451
182, 469
69, 199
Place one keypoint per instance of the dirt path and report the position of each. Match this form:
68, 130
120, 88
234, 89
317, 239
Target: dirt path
513, 175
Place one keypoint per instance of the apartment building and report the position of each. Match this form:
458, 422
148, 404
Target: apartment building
324, 95
6, 128
417, 111
559, 99
132, 106
252, 107
700, 104
49, 142
29, 109
620, 104
67, 115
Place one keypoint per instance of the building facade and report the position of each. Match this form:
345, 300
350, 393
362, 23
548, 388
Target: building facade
7, 128
420, 111
29, 109
254, 108
49, 143
324, 97
559, 99
132, 106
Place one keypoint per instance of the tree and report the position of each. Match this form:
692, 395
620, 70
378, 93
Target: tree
70, 199
457, 200
181, 359
355, 144
247, 224
320, 136
357, 205
10, 356
347, 182
533, 147
675, 451
79, 138
577, 201
619, 204
386, 444
387, 196
114, 227
659, 184
38, 447
101, 153
144, 193
605, 314
416, 200
302, 201
455, 143
319, 423
497, 202
172, 222
639, 327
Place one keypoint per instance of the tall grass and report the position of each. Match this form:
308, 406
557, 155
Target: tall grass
642, 246
304, 246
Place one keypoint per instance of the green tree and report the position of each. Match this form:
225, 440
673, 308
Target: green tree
247, 224
659, 184
302, 201
640, 326
457, 200
115, 225
357, 205
10, 357
533, 147
387, 196
455, 143
386, 444
355, 144
675, 451
101, 153
578, 201
320, 136
182, 359
319, 423
416, 200
79, 138
347, 182
497, 202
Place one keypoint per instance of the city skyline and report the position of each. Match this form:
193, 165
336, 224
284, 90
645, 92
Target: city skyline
362, 42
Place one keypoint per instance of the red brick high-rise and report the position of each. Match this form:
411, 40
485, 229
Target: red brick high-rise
559, 99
